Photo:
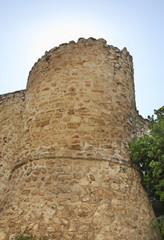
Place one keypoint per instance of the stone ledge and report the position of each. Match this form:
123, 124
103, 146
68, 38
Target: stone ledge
89, 158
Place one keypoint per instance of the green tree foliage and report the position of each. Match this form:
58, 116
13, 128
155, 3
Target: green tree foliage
157, 228
148, 153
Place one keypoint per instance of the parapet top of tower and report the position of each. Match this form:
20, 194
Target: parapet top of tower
89, 46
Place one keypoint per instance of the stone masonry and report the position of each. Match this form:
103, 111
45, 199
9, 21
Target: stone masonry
65, 169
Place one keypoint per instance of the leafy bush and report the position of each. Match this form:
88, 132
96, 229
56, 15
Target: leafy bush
157, 228
148, 153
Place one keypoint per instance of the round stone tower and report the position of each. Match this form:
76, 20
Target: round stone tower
73, 178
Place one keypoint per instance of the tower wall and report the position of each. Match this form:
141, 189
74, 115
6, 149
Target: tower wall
72, 177
80, 100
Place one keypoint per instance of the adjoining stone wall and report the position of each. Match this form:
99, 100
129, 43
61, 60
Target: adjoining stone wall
11, 107
66, 167
141, 125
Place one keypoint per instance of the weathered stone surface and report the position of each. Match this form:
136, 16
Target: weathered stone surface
65, 170
2, 236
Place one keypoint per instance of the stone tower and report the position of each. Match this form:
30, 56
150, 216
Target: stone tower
65, 169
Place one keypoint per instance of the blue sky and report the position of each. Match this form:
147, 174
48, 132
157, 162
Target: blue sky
28, 28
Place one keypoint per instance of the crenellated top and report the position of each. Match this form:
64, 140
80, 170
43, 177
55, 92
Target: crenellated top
89, 45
